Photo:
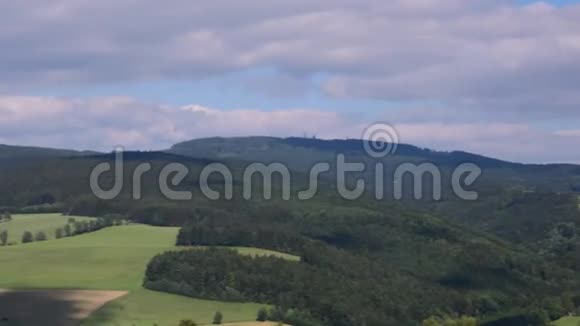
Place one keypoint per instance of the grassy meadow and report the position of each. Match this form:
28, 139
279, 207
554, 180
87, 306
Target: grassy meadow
110, 259
46, 223
264, 252
145, 307
113, 258
568, 321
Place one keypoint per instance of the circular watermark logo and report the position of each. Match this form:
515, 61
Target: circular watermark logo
380, 139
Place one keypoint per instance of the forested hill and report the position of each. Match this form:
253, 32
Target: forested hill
518, 202
292, 150
423, 154
522, 203
283, 149
511, 254
15, 153
302, 153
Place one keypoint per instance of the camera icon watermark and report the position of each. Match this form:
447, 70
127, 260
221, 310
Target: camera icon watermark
380, 140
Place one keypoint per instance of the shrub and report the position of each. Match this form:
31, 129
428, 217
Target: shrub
40, 236
262, 315
3, 238
27, 237
217, 318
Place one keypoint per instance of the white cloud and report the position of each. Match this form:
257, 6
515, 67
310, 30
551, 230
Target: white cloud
493, 68
477, 51
570, 132
103, 123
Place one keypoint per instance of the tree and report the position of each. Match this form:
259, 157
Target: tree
92, 225
27, 237
262, 315
3, 237
40, 236
79, 227
67, 230
276, 314
157, 220
217, 318
187, 322
59, 233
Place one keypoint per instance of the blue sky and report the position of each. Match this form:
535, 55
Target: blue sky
489, 76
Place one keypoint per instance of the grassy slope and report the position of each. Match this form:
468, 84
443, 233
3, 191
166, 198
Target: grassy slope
46, 223
145, 307
253, 323
111, 259
264, 252
568, 321
115, 259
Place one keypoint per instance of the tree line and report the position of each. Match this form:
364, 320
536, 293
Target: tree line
72, 228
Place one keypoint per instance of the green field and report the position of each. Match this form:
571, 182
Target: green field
46, 223
111, 259
114, 258
264, 252
145, 307
568, 321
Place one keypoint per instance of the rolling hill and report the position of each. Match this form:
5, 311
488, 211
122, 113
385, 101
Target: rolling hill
10, 153
511, 250
108, 262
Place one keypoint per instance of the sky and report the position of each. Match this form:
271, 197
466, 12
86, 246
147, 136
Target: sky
495, 77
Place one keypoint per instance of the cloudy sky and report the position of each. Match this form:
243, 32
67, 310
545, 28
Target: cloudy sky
497, 77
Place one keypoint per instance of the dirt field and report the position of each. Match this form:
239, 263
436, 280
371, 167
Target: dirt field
51, 307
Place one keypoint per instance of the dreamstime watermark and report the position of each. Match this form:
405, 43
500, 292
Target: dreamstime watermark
379, 141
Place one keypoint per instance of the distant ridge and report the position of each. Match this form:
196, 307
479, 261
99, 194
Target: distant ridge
357, 145
265, 148
32, 152
293, 148
148, 156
